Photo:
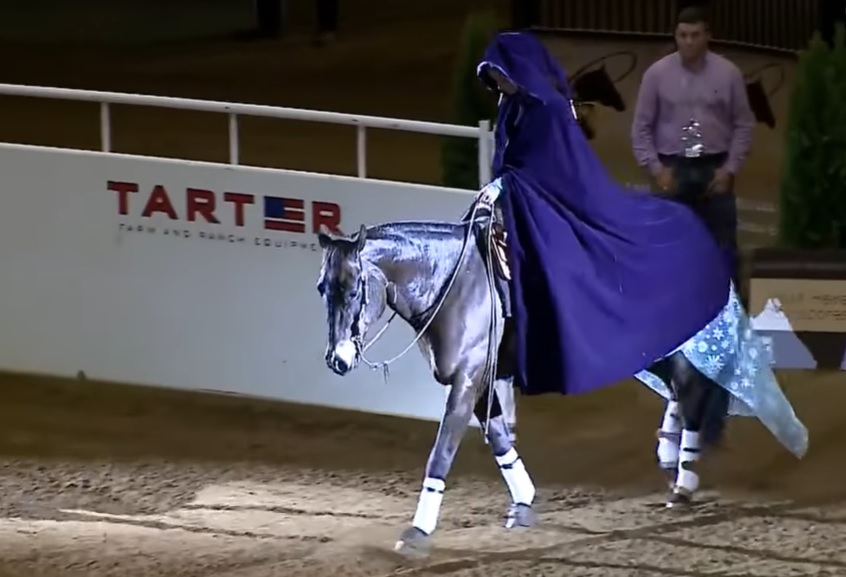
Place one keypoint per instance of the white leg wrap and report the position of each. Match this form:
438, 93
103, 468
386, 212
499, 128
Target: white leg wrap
429, 505
688, 480
668, 441
516, 478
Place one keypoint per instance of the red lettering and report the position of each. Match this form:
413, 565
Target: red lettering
122, 189
159, 201
238, 200
200, 202
325, 214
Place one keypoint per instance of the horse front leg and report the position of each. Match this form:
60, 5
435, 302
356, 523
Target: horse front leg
415, 541
514, 473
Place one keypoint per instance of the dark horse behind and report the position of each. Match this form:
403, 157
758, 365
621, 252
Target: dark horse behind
436, 278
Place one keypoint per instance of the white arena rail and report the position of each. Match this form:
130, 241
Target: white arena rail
482, 133
105, 99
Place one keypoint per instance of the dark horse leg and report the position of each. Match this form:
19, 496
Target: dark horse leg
517, 479
693, 420
505, 383
462, 398
505, 397
467, 395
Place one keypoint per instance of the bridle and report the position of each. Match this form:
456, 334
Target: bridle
358, 329
358, 337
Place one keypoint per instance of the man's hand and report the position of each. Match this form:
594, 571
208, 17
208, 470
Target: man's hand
665, 181
721, 183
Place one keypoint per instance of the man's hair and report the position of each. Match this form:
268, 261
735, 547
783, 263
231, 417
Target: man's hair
693, 15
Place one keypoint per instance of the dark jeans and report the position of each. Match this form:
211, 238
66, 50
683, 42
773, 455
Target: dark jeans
717, 211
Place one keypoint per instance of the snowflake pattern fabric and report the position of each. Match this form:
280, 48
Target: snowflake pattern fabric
729, 352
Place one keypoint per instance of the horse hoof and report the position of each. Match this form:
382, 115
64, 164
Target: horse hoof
413, 543
519, 516
679, 500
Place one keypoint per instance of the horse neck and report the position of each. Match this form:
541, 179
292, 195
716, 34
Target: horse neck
418, 271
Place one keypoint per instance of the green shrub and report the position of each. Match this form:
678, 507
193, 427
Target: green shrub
813, 184
470, 102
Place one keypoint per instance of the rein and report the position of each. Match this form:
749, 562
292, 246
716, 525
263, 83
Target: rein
359, 339
489, 374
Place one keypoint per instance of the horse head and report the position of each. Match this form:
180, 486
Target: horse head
762, 84
597, 86
759, 103
351, 298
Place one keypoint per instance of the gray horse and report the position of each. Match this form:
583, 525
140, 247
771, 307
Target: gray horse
435, 276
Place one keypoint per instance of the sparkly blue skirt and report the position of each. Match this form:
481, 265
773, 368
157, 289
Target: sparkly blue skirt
733, 355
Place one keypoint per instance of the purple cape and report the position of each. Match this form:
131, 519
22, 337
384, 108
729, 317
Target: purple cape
606, 280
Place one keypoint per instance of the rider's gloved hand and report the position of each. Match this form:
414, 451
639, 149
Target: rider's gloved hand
488, 195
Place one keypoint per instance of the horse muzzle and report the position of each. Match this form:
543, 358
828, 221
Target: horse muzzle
343, 358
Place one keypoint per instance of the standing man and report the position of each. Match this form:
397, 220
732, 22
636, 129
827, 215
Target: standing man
693, 126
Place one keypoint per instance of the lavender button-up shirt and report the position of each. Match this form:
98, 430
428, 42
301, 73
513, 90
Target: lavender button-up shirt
671, 95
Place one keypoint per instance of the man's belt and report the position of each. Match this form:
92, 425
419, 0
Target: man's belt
706, 159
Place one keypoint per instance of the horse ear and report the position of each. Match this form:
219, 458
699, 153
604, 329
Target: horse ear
362, 237
324, 237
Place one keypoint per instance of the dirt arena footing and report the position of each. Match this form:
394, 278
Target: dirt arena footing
127, 481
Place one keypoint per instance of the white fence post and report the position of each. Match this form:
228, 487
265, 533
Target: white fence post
234, 145
361, 150
105, 128
485, 152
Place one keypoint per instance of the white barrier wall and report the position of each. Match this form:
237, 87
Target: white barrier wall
193, 275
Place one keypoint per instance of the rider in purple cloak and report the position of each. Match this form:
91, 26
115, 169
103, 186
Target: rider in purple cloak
605, 280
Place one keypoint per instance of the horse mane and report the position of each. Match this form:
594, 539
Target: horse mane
401, 238
392, 230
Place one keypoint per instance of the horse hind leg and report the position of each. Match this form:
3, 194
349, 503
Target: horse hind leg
505, 396
504, 384
669, 432
669, 442
520, 486
703, 406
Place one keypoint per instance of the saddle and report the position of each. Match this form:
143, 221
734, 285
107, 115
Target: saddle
497, 242
498, 250
498, 245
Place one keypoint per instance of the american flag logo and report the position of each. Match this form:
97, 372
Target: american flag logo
284, 214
